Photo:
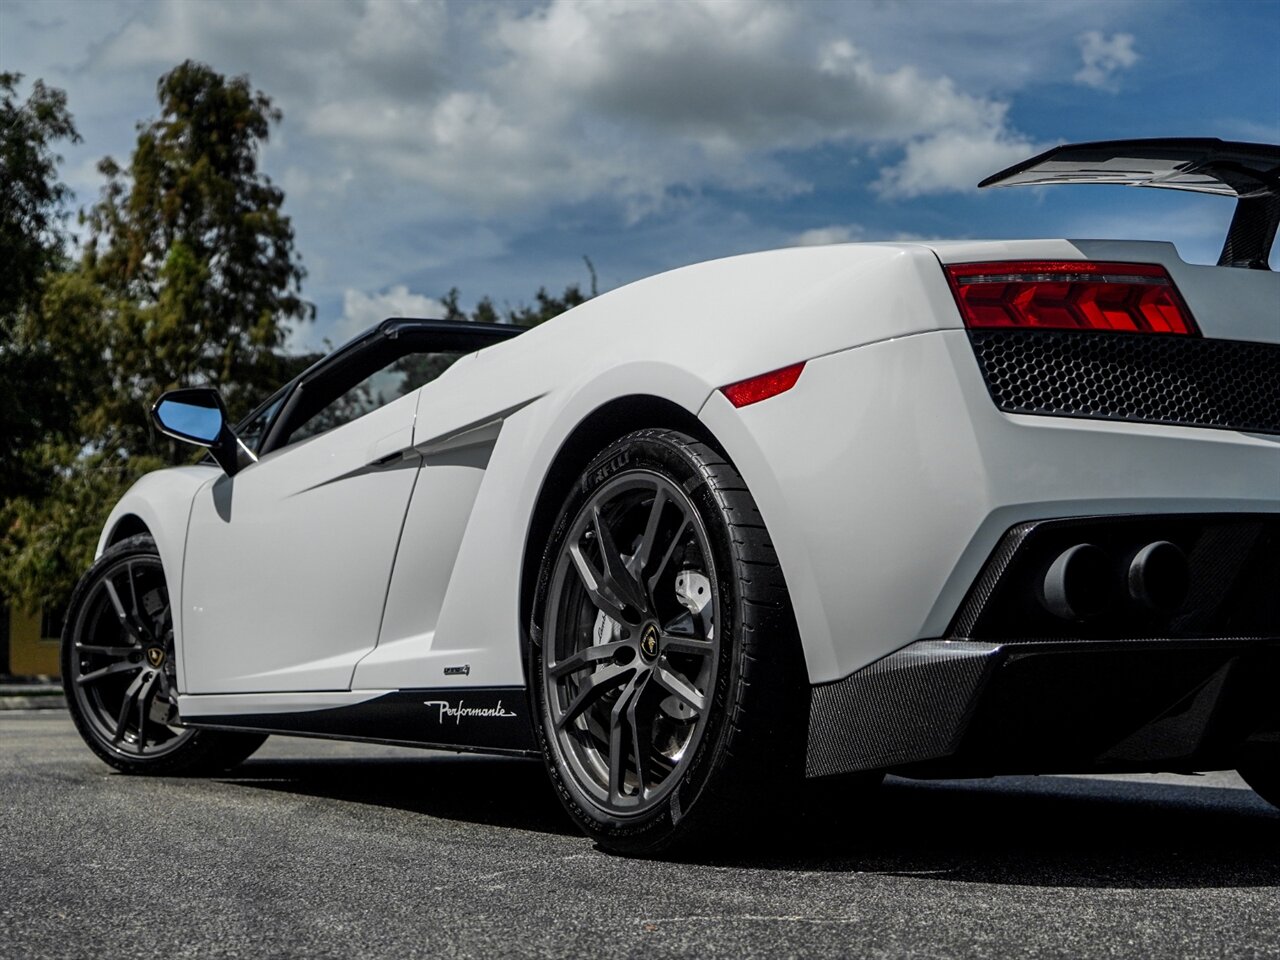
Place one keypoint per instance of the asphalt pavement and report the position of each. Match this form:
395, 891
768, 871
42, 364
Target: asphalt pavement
320, 849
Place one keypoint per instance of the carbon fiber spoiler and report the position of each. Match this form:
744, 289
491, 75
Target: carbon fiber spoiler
1247, 171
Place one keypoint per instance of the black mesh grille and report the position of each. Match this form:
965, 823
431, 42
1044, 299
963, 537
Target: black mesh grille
1230, 384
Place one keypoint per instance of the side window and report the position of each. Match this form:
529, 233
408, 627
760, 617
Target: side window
251, 431
376, 390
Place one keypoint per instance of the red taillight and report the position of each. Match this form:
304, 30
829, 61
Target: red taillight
762, 387
1069, 295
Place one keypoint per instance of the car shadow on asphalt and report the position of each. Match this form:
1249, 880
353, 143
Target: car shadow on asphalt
1038, 832
499, 792
1035, 832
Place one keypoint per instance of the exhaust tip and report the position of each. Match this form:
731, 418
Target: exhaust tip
1078, 584
1159, 577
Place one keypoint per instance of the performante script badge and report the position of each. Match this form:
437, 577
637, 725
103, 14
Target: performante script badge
155, 656
449, 712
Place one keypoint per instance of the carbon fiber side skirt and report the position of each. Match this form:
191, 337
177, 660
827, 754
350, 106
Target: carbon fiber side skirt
479, 719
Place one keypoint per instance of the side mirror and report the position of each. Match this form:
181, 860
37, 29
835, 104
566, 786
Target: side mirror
197, 415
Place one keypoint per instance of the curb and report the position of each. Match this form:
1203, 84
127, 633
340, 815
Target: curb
42, 696
32, 703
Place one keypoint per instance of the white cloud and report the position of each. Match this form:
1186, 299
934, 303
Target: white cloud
855, 233
295, 46
361, 310
431, 143
634, 99
1102, 58
953, 160
496, 109
821, 236
724, 74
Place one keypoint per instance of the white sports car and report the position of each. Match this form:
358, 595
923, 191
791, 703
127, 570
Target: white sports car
936, 509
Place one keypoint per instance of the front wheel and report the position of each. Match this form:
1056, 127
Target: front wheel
665, 665
119, 675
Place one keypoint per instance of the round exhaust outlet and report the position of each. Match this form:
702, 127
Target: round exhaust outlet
1079, 584
1159, 577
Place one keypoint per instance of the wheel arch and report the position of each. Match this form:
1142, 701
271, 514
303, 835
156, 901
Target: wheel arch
159, 504
603, 425
127, 525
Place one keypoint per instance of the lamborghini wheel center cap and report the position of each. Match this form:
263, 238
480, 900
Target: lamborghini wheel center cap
649, 641
155, 656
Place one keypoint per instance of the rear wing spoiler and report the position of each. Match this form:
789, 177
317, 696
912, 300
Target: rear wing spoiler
1248, 171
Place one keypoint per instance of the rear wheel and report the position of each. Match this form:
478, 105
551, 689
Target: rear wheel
666, 669
119, 674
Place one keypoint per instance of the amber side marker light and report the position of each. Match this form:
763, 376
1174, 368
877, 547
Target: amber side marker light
764, 386
1069, 295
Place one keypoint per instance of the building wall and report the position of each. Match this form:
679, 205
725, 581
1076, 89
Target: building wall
31, 653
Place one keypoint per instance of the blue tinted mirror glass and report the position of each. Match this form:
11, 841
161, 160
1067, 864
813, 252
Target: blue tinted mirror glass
192, 422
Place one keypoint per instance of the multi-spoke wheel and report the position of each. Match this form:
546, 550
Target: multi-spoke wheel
119, 672
631, 630
666, 667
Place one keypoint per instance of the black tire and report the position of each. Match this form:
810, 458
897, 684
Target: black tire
750, 748
1260, 768
119, 677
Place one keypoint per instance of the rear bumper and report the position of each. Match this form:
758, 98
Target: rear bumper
1018, 687
973, 708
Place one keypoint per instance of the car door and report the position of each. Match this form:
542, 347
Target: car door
287, 562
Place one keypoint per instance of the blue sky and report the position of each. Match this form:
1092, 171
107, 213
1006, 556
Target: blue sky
489, 146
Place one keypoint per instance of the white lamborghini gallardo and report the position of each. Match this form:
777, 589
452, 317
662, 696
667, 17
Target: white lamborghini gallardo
936, 509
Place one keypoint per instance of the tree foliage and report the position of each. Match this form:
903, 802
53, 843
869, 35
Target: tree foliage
193, 253
545, 305
33, 210
32, 213
188, 277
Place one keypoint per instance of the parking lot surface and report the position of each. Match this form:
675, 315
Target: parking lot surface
321, 849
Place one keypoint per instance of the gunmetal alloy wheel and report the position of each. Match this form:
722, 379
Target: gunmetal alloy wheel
119, 672
665, 670
631, 624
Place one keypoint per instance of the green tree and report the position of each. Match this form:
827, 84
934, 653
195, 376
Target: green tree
189, 277
545, 305
32, 213
194, 254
